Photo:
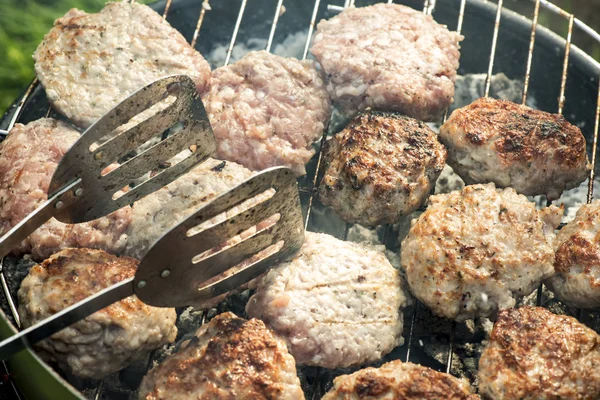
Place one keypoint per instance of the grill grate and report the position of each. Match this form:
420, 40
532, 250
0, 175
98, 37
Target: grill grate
318, 388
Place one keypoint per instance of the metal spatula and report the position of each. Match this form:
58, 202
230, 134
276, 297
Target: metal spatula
82, 189
175, 273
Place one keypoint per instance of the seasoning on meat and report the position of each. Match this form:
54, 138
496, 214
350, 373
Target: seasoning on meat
107, 340
336, 303
228, 358
267, 111
577, 260
512, 145
398, 380
381, 167
28, 158
388, 57
534, 354
475, 251
89, 63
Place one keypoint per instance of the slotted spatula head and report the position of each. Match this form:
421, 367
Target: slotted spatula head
88, 159
193, 262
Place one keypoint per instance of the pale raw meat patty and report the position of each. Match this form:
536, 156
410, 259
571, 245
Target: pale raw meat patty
577, 260
228, 358
398, 380
533, 354
28, 158
512, 145
162, 210
267, 111
107, 340
336, 303
475, 251
380, 167
88, 63
388, 57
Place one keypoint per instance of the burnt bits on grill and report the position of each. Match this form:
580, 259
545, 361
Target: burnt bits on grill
267, 111
388, 57
536, 355
576, 281
475, 251
381, 167
88, 63
28, 158
336, 303
107, 340
512, 145
228, 358
398, 380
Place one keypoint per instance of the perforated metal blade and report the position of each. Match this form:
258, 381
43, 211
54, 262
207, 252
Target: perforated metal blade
99, 148
175, 273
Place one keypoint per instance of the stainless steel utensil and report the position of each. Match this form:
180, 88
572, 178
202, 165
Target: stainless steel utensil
83, 189
178, 270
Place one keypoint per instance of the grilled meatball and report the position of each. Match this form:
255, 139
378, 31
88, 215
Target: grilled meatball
228, 358
534, 354
475, 251
381, 167
398, 380
336, 303
577, 260
388, 57
88, 63
109, 339
267, 111
28, 158
512, 145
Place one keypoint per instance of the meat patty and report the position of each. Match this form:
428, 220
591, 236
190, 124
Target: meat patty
28, 158
398, 380
88, 63
381, 167
512, 145
109, 339
388, 57
577, 260
534, 354
475, 251
267, 111
228, 358
162, 210
336, 303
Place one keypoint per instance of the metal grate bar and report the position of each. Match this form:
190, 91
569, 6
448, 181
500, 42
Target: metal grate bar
274, 25
205, 7
311, 28
235, 32
563, 82
488, 79
534, 23
167, 6
19, 109
590, 194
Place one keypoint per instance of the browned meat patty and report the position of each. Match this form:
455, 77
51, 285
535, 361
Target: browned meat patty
88, 63
228, 358
536, 355
28, 158
267, 111
577, 264
512, 145
388, 57
109, 339
381, 167
398, 380
475, 251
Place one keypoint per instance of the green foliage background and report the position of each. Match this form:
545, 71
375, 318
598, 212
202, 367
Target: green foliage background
23, 24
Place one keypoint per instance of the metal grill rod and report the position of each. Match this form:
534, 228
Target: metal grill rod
235, 32
488, 80
534, 22
274, 25
590, 194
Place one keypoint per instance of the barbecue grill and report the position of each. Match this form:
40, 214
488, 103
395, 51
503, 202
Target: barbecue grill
557, 76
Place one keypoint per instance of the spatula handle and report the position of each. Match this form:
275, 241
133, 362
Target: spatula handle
62, 199
66, 317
